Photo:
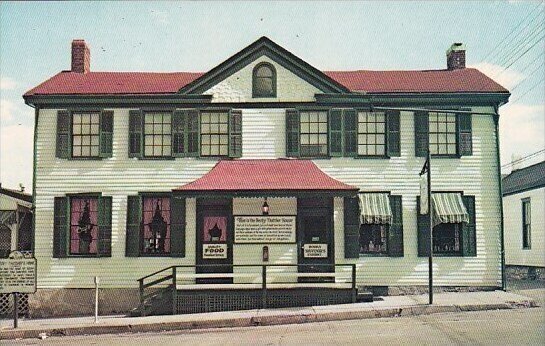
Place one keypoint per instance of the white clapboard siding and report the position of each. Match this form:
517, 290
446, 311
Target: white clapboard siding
264, 137
512, 211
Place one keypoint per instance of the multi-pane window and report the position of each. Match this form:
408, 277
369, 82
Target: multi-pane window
214, 133
83, 225
442, 133
371, 133
85, 134
373, 238
447, 238
313, 133
264, 81
526, 224
157, 134
156, 225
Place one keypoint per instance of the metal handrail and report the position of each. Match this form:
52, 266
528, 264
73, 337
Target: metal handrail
173, 276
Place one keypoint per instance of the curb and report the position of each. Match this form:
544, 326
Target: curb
414, 310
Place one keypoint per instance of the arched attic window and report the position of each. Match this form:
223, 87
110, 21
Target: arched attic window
264, 80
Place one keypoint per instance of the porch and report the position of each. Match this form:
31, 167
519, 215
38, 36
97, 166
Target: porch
173, 290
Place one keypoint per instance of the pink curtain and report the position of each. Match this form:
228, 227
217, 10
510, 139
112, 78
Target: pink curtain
76, 211
150, 204
210, 222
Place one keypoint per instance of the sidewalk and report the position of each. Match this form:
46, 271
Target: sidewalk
393, 306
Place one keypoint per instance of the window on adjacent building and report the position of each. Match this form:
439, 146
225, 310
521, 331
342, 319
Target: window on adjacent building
373, 239
313, 129
214, 133
371, 134
157, 134
85, 134
156, 225
264, 81
526, 224
83, 225
442, 133
447, 238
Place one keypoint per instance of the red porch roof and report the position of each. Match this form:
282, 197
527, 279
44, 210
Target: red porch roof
265, 175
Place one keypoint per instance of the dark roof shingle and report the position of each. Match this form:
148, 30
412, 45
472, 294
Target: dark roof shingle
528, 178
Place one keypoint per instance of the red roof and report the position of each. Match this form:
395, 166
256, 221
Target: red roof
260, 175
109, 83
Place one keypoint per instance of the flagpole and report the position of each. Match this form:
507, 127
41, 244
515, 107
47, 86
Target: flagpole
430, 211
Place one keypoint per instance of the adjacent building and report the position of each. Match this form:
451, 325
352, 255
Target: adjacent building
262, 160
524, 222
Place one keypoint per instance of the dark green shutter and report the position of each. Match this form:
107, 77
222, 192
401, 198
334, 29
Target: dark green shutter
192, 133
177, 226
469, 238
134, 217
292, 133
395, 233
421, 134
64, 125
465, 141
104, 227
235, 133
423, 230
106, 133
350, 132
392, 118
60, 227
135, 133
336, 132
178, 136
351, 227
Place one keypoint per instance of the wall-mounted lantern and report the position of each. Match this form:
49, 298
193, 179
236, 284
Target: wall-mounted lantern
265, 207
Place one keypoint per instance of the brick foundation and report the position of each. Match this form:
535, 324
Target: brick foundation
525, 273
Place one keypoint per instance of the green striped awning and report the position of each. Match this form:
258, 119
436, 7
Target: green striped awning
448, 208
375, 208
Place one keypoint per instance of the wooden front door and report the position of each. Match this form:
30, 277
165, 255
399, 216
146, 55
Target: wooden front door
214, 249
315, 239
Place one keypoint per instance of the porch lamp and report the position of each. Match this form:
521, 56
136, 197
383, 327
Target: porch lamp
265, 207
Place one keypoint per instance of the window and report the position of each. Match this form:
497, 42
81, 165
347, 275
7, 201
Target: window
442, 133
83, 225
264, 81
373, 239
313, 133
371, 133
156, 225
85, 134
214, 133
157, 134
526, 224
447, 238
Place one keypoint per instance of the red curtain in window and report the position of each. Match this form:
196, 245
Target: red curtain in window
211, 226
78, 238
150, 206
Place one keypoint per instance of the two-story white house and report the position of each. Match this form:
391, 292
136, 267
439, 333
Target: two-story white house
263, 160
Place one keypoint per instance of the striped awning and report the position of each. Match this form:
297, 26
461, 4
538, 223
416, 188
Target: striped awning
375, 208
448, 208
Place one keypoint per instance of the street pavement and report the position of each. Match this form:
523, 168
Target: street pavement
496, 327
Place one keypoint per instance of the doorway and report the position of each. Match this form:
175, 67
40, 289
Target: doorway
214, 239
315, 238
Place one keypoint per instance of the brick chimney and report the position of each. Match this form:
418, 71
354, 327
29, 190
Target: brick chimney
456, 56
81, 57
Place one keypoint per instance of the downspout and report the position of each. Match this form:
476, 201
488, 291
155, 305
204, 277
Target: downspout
33, 238
502, 245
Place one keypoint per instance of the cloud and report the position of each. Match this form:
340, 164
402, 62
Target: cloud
7, 83
522, 129
16, 156
6, 110
507, 78
160, 16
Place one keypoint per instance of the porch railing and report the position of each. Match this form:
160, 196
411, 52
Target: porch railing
246, 276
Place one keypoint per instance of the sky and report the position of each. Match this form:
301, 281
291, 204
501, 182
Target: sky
504, 39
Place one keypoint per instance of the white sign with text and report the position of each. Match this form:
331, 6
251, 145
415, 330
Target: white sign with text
315, 250
214, 251
265, 229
